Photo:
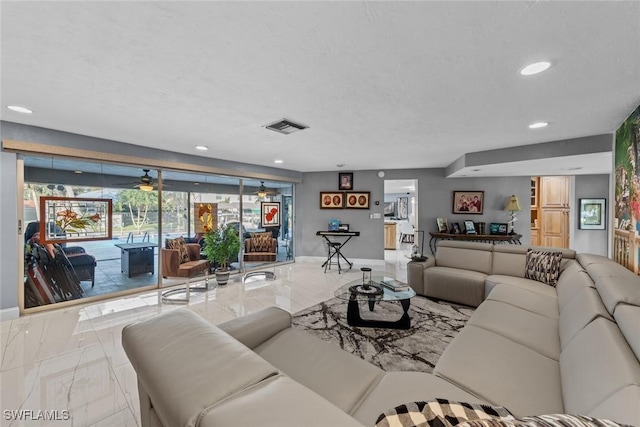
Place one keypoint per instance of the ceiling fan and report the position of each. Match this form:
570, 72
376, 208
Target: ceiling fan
262, 191
146, 182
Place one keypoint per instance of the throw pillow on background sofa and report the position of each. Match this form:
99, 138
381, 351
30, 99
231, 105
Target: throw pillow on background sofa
543, 266
179, 244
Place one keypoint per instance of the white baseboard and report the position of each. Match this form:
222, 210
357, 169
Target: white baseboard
9, 313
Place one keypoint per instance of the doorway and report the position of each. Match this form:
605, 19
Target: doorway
400, 221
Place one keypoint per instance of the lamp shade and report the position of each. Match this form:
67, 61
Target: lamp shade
146, 187
513, 204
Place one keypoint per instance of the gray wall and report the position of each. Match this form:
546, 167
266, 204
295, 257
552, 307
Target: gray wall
590, 241
9, 232
434, 194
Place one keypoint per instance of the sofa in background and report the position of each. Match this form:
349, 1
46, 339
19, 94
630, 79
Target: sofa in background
530, 347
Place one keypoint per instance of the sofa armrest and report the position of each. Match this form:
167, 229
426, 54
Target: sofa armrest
170, 262
256, 328
186, 365
415, 273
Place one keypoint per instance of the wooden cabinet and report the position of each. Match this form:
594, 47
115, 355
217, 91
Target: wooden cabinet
554, 192
535, 237
555, 228
553, 212
534, 192
389, 235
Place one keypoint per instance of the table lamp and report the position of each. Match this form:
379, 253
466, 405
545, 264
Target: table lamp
513, 206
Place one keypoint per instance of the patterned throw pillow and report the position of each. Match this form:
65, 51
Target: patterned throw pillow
555, 420
179, 244
543, 266
440, 413
261, 242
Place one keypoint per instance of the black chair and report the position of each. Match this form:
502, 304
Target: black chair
333, 250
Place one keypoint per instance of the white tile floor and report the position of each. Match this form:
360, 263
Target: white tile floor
71, 359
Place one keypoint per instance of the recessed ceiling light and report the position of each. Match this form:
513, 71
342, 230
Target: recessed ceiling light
202, 147
340, 165
535, 68
19, 109
196, 183
538, 125
77, 172
476, 170
278, 161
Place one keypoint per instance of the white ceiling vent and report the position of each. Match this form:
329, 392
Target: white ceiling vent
285, 126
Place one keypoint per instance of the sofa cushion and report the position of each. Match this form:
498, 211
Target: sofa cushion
535, 302
396, 388
502, 372
509, 260
570, 283
453, 284
532, 330
278, 401
628, 318
528, 284
440, 412
596, 364
579, 312
622, 406
543, 266
340, 377
179, 244
616, 285
465, 255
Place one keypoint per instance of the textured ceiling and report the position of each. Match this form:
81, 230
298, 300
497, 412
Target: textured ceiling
380, 84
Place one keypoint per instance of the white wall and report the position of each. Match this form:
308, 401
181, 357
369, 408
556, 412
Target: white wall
8, 237
590, 241
434, 194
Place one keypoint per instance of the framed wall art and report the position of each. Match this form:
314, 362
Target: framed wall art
66, 219
403, 207
205, 217
270, 214
469, 227
592, 214
357, 200
331, 200
468, 202
345, 181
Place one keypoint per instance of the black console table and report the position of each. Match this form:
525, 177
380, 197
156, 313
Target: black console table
514, 239
335, 247
137, 258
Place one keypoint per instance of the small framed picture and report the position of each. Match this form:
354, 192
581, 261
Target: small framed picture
357, 200
468, 202
455, 228
442, 225
497, 228
343, 227
592, 214
345, 181
469, 227
331, 200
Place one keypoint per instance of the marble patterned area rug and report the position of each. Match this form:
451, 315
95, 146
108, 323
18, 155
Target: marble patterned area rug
433, 326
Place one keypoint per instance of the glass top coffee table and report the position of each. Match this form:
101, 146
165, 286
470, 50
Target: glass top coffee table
354, 292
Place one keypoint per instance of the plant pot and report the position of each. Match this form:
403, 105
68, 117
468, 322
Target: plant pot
222, 277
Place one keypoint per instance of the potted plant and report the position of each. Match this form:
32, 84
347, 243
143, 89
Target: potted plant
220, 246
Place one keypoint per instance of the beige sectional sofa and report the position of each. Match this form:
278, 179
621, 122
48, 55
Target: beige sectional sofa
530, 347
